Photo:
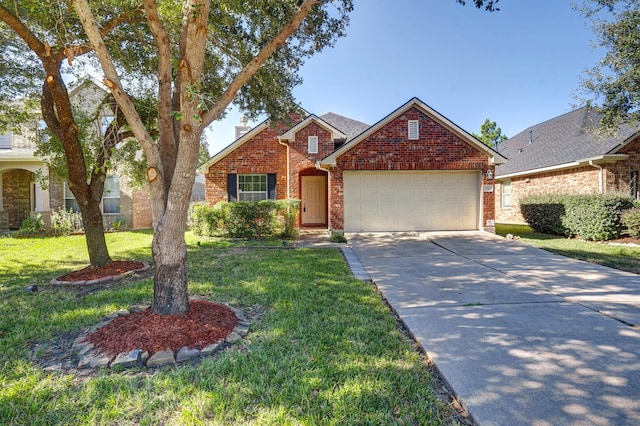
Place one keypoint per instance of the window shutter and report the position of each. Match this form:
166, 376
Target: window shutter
413, 130
271, 186
232, 187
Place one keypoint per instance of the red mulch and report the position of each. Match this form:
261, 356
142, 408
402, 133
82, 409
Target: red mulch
626, 240
202, 324
115, 267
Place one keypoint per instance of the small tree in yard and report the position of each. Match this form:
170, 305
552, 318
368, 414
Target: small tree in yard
207, 55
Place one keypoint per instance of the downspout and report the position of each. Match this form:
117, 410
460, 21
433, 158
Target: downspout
287, 145
319, 167
600, 177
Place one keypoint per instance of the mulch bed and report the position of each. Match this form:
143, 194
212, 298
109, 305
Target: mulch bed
204, 323
113, 268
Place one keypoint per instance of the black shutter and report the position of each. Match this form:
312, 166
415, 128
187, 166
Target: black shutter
271, 186
232, 187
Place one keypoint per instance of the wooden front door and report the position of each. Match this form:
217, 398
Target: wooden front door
314, 200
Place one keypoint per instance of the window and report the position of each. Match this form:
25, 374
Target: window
506, 194
70, 202
5, 141
313, 144
414, 130
252, 187
110, 197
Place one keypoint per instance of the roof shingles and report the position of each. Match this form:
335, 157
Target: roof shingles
561, 140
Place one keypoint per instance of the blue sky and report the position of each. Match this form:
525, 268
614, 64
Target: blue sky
518, 66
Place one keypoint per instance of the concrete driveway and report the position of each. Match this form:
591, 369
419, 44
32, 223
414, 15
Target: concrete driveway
521, 335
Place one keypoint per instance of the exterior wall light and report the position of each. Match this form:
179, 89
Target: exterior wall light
489, 174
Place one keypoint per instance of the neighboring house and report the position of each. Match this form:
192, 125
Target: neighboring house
21, 194
414, 170
566, 155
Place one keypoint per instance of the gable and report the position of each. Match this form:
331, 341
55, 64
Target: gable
436, 147
436, 135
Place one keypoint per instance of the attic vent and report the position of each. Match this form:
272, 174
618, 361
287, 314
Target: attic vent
313, 144
414, 130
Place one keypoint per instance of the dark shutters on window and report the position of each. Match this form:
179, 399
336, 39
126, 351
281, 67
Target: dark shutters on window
271, 186
232, 187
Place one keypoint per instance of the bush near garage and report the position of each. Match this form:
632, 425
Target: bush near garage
595, 217
631, 221
544, 213
262, 219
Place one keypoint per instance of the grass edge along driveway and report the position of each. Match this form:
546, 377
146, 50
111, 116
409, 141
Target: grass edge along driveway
625, 258
327, 350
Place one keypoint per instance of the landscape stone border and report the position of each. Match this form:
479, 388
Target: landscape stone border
108, 278
93, 358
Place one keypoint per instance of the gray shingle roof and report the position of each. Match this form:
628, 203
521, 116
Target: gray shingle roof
561, 140
346, 125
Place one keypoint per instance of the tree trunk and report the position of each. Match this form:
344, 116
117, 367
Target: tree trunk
170, 294
94, 235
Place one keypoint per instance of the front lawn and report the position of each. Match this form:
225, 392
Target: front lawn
625, 258
326, 351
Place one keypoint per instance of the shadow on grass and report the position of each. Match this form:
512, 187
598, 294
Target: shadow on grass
326, 352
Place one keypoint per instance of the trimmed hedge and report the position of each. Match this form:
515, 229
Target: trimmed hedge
544, 213
262, 219
590, 217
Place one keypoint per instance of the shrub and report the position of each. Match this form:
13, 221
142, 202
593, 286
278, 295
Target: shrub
590, 217
64, 222
288, 210
248, 219
544, 213
595, 217
262, 219
631, 221
33, 224
206, 220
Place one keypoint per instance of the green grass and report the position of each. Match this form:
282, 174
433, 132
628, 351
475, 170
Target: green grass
327, 350
619, 257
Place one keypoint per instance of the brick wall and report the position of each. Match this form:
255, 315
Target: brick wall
618, 175
579, 180
16, 197
262, 154
303, 163
389, 149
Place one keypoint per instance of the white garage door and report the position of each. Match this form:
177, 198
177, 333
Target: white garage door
411, 201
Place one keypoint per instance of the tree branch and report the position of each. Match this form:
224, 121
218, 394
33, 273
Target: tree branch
252, 67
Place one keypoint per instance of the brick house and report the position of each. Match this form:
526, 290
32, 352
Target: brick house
413, 170
566, 155
21, 193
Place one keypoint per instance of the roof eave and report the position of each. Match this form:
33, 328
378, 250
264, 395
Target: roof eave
290, 134
606, 158
204, 169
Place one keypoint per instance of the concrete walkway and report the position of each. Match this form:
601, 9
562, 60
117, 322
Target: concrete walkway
523, 337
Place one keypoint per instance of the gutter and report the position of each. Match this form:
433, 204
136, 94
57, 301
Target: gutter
287, 145
607, 158
600, 173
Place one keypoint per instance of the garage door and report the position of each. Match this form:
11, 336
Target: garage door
411, 201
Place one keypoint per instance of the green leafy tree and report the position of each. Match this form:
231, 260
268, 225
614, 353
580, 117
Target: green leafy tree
613, 83
490, 134
39, 42
207, 55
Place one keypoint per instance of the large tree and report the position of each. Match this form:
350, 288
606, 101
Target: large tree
37, 42
209, 54
490, 134
614, 83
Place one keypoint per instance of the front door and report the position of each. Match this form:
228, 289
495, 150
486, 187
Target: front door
314, 200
